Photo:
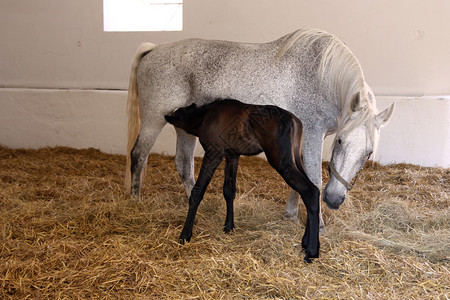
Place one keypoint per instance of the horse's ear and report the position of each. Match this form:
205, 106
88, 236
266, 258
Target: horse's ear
383, 117
355, 103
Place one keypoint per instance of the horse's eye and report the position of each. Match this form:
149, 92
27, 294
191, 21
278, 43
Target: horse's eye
339, 141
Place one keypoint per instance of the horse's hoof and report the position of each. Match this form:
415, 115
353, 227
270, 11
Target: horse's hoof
135, 196
321, 229
293, 218
135, 192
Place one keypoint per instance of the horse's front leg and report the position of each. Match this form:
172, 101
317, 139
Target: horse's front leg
211, 161
184, 158
229, 190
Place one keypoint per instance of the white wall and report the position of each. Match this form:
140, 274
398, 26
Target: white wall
402, 45
418, 133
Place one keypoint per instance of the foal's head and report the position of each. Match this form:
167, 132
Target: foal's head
355, 141
187, 118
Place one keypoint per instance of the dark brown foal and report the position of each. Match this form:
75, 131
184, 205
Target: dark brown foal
230, 128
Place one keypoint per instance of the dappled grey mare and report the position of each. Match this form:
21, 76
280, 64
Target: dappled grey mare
309, 72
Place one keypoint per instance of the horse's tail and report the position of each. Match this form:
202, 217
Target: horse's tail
133, 111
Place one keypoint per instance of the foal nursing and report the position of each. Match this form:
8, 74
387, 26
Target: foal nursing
230, 128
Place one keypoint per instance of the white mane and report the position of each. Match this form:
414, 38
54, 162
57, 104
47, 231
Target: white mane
341, 71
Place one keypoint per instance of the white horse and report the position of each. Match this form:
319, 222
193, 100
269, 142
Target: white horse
309, 72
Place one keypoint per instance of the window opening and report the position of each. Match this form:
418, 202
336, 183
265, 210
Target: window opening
142, 15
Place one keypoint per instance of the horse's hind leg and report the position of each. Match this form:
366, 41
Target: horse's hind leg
291, 211
184, 158
144, 143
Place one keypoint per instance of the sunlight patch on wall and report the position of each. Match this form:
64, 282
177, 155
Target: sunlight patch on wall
142, 15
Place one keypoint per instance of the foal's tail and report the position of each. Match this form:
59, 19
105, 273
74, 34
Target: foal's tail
133, 111
290, 141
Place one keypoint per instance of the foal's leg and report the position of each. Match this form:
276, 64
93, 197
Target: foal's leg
282, 159
291, 211
184, 158
229, 189
211, 161
310, 195
312, 159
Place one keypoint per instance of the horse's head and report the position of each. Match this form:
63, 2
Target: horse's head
354, 143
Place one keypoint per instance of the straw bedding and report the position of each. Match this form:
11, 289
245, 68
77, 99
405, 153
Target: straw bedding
68, 230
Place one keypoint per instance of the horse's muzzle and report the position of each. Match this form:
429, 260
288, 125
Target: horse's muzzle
333, 201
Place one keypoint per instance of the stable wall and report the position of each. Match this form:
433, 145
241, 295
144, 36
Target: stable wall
81, 119
52, 45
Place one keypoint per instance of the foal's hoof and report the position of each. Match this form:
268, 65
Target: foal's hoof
182, 241
304, 247
310, 256
227, 230
307, 260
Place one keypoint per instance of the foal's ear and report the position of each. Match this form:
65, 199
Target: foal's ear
355, 103
383, 117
